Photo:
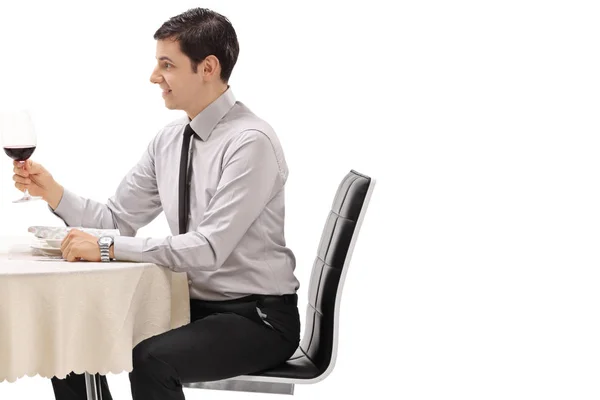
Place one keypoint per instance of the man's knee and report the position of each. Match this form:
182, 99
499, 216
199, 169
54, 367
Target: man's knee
142, 355
146, 359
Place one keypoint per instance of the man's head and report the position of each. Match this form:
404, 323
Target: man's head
195, 52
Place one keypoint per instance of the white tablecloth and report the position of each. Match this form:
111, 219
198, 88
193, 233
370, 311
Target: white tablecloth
57, 317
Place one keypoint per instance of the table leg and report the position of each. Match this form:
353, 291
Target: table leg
92, 386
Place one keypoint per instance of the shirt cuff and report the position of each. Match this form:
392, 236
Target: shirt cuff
69, 209
127, 248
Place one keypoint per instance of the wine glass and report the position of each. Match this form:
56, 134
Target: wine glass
19, 140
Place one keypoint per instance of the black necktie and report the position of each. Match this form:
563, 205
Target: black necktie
183, 184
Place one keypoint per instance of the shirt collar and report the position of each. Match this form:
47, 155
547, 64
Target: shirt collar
204, 123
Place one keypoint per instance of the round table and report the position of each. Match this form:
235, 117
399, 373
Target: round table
57, 316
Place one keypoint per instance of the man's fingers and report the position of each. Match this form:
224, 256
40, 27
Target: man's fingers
65, 243
27, 168
21, 172
71, 236
70, 253
20, 179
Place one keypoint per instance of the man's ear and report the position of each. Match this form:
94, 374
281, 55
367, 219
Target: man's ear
210, 68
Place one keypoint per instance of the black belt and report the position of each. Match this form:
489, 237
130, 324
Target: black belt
291, 299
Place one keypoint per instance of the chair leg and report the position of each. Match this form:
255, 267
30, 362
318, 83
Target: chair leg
244, 386
92, 386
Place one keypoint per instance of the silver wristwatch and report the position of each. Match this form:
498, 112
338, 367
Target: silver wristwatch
105, 242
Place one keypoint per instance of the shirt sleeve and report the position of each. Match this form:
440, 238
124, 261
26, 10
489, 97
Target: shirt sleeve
250, 178
135, 203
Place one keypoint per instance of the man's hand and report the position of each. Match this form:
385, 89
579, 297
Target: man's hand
78, 245
35, 178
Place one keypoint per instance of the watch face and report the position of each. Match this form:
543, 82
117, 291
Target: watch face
106, 240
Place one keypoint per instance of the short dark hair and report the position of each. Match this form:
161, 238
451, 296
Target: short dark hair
202, 32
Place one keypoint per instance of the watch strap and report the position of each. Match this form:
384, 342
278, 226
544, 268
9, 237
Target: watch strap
105, 251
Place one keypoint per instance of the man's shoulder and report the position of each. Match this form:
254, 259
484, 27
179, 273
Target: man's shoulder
241, 119
243, 124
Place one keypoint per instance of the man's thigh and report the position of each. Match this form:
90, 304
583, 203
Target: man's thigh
215, 347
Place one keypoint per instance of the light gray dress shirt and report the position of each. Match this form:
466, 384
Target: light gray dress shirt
235, 245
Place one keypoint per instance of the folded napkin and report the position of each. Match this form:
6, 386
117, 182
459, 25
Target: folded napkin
59, 232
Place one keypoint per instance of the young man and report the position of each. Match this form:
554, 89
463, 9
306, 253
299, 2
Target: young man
229, 193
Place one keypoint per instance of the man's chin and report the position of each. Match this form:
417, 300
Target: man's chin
170, 105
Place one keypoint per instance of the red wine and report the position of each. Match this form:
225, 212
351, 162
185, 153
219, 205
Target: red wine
19, 153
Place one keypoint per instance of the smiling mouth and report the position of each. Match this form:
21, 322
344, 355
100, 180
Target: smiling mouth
166, 92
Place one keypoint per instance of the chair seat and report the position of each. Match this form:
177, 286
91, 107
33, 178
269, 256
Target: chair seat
298, 366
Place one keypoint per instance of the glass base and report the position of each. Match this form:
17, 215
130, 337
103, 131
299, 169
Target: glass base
26, 199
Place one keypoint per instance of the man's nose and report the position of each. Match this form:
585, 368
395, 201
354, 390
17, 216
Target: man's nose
155, 77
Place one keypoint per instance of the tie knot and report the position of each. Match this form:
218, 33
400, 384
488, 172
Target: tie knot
188, 130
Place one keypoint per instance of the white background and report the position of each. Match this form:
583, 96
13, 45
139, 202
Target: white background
475, 275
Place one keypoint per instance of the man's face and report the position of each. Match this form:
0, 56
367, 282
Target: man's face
173, 73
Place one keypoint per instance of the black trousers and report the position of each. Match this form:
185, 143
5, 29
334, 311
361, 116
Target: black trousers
223, 339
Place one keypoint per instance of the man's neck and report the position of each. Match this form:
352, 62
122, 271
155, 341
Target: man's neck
213, 93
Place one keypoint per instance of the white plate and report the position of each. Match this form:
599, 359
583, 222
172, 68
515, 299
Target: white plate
47, 250
54, 243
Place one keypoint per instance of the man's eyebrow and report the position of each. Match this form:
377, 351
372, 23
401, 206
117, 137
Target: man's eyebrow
163, 58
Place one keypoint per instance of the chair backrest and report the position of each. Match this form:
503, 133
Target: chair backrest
319, 341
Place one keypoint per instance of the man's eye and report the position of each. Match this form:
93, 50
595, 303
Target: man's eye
167, 65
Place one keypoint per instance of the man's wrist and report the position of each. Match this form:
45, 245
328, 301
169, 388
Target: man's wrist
111, 251
54, 196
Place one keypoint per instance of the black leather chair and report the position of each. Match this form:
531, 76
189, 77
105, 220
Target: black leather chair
316, 355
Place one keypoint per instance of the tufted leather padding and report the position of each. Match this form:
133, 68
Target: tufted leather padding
314, 355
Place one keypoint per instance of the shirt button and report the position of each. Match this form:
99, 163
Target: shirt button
190, 281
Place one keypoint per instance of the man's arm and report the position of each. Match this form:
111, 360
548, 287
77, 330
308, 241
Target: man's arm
251, 176
135, 203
